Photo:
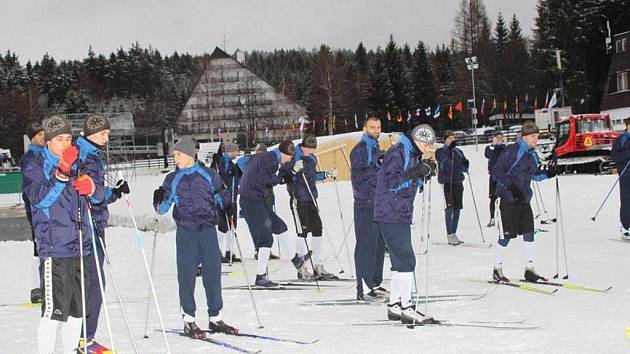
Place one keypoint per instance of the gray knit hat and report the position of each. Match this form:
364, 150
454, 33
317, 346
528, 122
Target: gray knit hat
230, 147
95, 123
188, 146
424, 133
260, 148
529, 128
56, 125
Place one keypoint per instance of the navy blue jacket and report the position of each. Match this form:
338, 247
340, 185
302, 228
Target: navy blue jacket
450, 165
229, 173
298, 187
395, 192
33, 152
55, 208
91, 163
365, 163
198, 194
260, 174
492, 153
518, 165
620, 153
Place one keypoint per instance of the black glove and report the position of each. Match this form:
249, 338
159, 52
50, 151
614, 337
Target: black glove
466, 165
287, 178
158, 197
452, 144
230, 211
121, 187
379, 159
552, 168
424, 169
516, 193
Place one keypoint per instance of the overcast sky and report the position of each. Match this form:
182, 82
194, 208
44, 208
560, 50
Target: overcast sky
66, 28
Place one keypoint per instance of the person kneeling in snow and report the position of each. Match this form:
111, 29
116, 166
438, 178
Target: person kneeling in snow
199, 196
514, 172
402, 175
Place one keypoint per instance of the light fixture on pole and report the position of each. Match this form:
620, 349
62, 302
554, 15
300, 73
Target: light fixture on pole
471, 64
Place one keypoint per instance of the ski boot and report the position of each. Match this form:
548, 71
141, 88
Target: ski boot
625, 234
453, 240
533, 277
371, 296
228, 255
36, 296
394, 311
221, 327
263, 281
304, 274
273, 256
298, 261
491, 223
409, 315
322, 274
93, 348
380, 291
498, 277
191, 330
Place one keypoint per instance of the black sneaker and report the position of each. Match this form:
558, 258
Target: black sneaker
221, 327
235, 259
497, 275
191, 330
199, 271
36, 296
533, 277
298, 261
263, 281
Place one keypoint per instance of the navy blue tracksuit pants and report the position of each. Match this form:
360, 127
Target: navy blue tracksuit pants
624, 196
262, 222
196, 247
398, 240
95, 299
369, 251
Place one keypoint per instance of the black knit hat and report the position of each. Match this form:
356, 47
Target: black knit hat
95, 123
56, 125
286, 147
33, 129
448, 133
309, 141
529, 128
626, 121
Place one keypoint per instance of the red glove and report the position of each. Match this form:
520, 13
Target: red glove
84, 185
68, 158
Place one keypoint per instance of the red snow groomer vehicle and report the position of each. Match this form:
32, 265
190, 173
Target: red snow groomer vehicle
583, 143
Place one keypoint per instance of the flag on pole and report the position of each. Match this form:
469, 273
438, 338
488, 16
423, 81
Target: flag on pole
389, 117
553, 101
334, 124
356, 123
266, 132
526, 101
505, 106
302, 124
408, 117
436, 113
494, 105
399, 117
536, 103
418, 112
546, 100
427, 111
450, 112
482, 111
516, 107
459, 107
314, 128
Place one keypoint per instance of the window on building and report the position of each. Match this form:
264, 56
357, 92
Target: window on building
623, 45
622, 81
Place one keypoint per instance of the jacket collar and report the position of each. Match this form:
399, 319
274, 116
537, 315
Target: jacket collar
369, 141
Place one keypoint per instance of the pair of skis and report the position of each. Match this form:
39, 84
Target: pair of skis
240, 349
528, 286
503, 325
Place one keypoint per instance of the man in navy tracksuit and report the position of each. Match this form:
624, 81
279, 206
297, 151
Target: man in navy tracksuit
514, 171
230, 174
261, 174
56, 192
399, 180
492, 153
369, 253
303, 192
621, 155
96, 129
35, 132
199, 195
452, 164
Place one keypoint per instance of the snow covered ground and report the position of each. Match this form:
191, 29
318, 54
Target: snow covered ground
569, 322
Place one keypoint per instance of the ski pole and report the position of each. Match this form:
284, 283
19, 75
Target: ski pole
343, 226
416, 277
298, 231
249, 286
472, 192
140, 241
564, 245
82, 269
426, 262
146, 317
99, 274
610, 191
542, 201
318, 212
345, 239
536, 199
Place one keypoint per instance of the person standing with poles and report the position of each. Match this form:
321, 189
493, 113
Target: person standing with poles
303, 192
199, 195
452, 164
35, 132
366, 160
492, 153
230, 174
96, 129
258, 178
54, 189
399, 180
621, 155
513, 172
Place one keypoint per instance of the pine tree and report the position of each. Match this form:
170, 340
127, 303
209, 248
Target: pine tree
423, 86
